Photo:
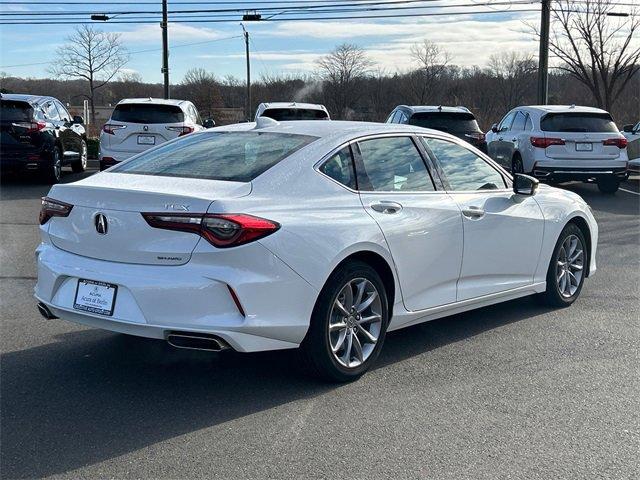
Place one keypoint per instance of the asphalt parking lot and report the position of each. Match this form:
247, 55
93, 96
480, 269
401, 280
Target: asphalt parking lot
510, 391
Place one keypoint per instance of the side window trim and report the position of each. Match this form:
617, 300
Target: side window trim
317, 167
447, 187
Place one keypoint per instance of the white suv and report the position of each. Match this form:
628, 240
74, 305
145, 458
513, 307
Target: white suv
561, 143
137, 124
285, 111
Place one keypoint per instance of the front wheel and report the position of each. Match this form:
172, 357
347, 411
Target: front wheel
567, 268
517, 165
608, 185
348, 324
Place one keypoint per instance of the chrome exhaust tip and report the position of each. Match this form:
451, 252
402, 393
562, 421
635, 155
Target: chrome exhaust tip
197, 341
45, 312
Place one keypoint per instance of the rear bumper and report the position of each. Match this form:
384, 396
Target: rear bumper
109, 158
24, 160
152, 300
560, 173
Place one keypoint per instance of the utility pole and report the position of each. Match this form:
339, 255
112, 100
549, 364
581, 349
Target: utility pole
543, 56
165, 49
246, 45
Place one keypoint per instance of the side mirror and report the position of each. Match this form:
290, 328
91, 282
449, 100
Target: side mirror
494, 128
78, 119
208, 123
524, 184
628, 128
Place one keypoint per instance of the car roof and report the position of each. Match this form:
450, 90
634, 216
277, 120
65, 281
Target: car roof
433, 108
23, 97
562, 109
295, 105
155, 101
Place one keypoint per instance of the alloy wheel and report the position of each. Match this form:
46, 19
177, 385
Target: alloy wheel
57, 165
570, 266
84, 155
355, 322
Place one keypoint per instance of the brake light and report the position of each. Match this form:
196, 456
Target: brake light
544, 142
479, 137
53, 208
220, 230
31, 127
182, 130
617, 142
111, 128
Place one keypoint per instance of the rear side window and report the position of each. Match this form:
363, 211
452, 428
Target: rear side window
13, 111
392, 164
340, 168
230, 156
578, 122
147, 113
285, 114
446, 121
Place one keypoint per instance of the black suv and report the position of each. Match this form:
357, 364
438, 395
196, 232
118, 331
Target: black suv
38, 135
457, 121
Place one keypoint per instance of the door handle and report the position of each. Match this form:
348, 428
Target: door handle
514, 139
500, 139
473, 212
386, 207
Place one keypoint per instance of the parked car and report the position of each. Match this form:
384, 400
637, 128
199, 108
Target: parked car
457, 121
561, 143
319, 235
285, 111
39, 136
137, 124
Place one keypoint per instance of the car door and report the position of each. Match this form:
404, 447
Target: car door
69, 135
499, 150
512, 140
422, 226
502, 230
52, 117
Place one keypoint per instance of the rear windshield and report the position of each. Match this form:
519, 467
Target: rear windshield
230, 156
285, 114
14, 111
578, 122
446, 121
147, 113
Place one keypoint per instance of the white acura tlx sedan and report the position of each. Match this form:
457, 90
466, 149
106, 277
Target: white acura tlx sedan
318, 235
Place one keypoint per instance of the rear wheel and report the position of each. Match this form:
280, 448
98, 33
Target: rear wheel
80, 165
348, 324
516, 164
608, 185
567, 269
53, 171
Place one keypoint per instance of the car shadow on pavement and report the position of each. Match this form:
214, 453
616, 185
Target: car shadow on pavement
91, 395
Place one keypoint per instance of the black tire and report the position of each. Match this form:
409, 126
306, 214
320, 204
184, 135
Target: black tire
553, 296
516, 164
316, 347
608, 185
80, 165
53, 171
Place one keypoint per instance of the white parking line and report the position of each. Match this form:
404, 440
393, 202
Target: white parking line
628, 191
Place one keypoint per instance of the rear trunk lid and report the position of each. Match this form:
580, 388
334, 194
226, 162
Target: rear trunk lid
583, 134
17, 125
121, 198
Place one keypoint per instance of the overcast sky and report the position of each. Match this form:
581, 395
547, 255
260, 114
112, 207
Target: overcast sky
277, 47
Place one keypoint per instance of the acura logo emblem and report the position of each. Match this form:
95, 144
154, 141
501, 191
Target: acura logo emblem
101, 224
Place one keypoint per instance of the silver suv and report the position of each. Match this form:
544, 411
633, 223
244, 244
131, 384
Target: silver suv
137, 124
561, 143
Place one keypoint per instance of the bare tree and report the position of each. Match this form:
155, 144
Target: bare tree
91, 55
342, 70
595, 48
514, 74
203, 89
432, 63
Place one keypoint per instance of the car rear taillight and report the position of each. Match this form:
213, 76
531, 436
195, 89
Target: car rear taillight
182, 130
544, 142
478, 137
31, 127
616, 142
53, 208
221, 230
111, 128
